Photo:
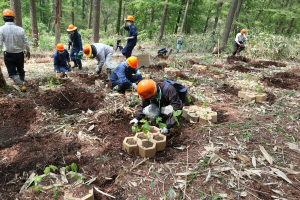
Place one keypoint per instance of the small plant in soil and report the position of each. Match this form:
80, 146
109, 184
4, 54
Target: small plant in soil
176, 114
145, 127
73, 167
56, 192
135, 128
204, 105
159, 123
259, 89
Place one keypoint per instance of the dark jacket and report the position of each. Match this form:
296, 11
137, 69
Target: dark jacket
122, 75
170, 98
131, 33
76, 40
60, 60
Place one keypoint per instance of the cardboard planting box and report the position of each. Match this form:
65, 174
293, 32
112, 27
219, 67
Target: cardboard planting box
199, 67
252, 96
69, 194
161, 141
196, 114
99, 83
46, 88
128, 147
143, 60
147, 152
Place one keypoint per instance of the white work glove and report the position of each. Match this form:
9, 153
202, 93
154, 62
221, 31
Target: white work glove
126, 38
152, 110
134, 121
138, 72
134, 86
164, 130
167, 110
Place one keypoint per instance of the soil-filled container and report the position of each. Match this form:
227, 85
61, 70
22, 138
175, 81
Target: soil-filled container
81, 192
153, 130
261, 97
204, 118
161, 141
130, 145
185, 111
242, 94
214, 116
147, 148
141, 136
250, 97
193, 116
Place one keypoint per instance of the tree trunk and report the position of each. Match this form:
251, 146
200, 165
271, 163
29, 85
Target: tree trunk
290, 26
228, 24
178, 18
96, 21
2, 80
163, 21
119, 18
185, 15
34, 27
57, 21
83, 11
217, 17
151, 21
15, 6
72, 12
236, 15
122, 30
207, 19
90, 15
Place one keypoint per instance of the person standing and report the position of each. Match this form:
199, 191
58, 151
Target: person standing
238, 44
179, 43
14, 39
132, 36
61, 59
75, 38
103, 54
119, 45
122, 76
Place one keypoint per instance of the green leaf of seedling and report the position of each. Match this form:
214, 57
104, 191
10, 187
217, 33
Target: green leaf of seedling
47, 171
162, 125
38, 179
53, 167
158, 120
67, 168
143, 121
74, 167
146, 127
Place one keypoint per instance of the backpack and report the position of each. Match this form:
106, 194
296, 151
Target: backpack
161, 51
181, 90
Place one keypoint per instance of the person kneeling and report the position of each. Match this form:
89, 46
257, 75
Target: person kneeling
61, 59
159, 99
122, 77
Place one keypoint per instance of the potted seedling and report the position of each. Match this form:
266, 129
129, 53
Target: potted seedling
159, 138
147, 147
260, 96
185, 111
78, 190
130, 143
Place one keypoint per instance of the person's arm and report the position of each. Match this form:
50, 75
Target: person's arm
175, 102
245, 37
140, 115
80, 42
55, 62
26, 43
237, 39
1, 40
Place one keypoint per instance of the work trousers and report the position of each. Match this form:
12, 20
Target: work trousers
15, 64
238, 48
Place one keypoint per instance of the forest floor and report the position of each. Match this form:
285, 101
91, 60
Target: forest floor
252, 152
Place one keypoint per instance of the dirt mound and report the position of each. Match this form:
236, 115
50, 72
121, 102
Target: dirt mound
221, 114
216, 65
227, 89
266, 63
241, 68
231, 59
72, 100
16, 116
158, 66
285, 80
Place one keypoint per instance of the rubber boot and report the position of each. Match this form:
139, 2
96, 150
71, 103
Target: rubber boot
80, 66
22, 78
19, 83
108, 70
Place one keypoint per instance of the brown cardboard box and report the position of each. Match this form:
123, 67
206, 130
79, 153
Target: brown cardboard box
143, 60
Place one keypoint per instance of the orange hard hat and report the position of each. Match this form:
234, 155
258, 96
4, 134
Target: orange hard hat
132, 61
130, 18
8, 13
178, 35
71, 27
87, 50
146, 88
60, 47
243, 31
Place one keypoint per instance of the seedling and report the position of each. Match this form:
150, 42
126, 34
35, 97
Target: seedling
145, 127
160, 124
135, 128
39, 178
176, 114
73, 167
56, 192
178, 78
204, 105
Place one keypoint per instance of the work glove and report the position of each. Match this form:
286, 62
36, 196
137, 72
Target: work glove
134, 121
164, 130
134, 86
28, 55
138, 72
81, 52
126, 38
167, 110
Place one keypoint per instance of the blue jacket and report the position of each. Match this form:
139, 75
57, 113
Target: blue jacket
131, 32
76, 40
60, 60
123, 75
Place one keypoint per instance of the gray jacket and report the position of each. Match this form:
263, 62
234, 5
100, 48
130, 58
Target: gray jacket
102, 51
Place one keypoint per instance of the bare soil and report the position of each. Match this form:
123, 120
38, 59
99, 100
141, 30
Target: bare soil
147, 144
158, 138
131, 142
284, 80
